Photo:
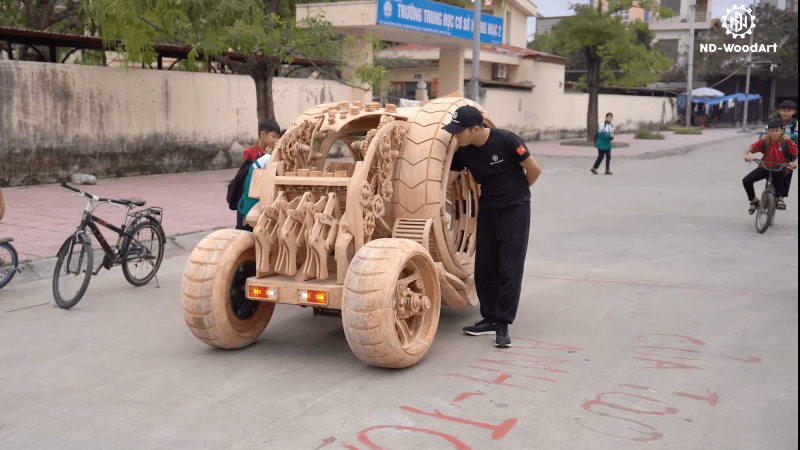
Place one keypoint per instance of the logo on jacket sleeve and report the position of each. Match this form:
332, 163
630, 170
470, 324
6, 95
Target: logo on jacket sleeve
521, 150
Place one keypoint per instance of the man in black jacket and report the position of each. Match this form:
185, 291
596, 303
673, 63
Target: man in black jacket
505, 170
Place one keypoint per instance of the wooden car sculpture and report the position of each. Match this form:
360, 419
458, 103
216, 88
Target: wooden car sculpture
381, 242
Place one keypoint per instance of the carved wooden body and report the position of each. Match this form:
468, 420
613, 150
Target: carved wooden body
314, 225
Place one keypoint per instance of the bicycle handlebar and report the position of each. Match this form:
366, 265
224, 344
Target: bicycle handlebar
779, 166
88, 195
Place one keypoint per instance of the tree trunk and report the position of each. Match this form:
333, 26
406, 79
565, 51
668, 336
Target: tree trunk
262, 73
593, 82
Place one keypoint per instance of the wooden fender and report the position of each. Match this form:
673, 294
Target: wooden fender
420, 182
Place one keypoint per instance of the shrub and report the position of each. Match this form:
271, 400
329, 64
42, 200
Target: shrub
688, 130
644, 133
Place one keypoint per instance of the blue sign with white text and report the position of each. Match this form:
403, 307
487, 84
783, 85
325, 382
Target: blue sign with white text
437, 18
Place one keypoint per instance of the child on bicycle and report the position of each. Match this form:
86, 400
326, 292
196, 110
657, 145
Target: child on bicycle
773, 155
786, 109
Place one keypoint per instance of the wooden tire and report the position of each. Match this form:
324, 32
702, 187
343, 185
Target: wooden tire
387, 324
212, 291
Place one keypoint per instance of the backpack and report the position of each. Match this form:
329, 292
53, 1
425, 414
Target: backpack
785, 149
236, 186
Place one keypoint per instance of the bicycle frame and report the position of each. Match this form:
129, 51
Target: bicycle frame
89, 221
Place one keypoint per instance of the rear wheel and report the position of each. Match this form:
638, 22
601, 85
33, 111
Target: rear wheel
765, 212
73, 271
145, 253
391, 304
212, 292
9, 261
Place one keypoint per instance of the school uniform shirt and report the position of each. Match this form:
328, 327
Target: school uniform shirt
252, 153
495, 166
604, 133
772, 152
246, 203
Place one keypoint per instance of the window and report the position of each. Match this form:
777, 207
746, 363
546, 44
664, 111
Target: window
674, 5
669, 47
624, 14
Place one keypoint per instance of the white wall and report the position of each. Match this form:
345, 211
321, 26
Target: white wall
60, 119
563, 115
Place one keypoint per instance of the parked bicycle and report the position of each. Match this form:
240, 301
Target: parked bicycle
9, 261
765, 213
139, 249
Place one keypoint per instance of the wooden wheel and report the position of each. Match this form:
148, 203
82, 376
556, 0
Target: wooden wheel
391, 303
212, 291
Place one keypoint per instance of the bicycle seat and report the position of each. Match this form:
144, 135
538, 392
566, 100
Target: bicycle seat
131, 201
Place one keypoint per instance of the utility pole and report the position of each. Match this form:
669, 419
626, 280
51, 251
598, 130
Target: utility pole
690, 66
476, 50
747, 83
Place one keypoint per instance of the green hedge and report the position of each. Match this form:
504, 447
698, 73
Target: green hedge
644, 133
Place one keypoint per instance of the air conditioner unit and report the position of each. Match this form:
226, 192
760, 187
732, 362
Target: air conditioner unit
499, 72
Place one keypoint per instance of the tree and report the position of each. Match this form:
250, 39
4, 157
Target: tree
42, 15
614, 51
211, 28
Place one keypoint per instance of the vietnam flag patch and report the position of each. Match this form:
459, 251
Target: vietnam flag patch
521, 150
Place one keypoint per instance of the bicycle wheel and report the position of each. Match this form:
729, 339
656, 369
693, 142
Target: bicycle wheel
765, 212
8, 263
73, 271
145, 253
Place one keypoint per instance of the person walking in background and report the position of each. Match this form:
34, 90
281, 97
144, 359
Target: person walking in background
602, 141
268, 134
505, 170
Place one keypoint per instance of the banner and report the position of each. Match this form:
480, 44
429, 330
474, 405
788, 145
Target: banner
437, 18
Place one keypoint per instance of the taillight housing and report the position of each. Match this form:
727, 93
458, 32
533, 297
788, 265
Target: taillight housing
317, 297
265, 292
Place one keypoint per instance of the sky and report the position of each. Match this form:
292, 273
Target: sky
549, 8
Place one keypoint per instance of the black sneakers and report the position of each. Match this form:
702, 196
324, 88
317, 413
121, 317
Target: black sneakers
502, 339
480, 328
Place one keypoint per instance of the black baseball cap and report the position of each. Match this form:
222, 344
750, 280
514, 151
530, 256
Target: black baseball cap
463, 118
787, 104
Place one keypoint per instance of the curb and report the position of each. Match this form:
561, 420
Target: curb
686, 149
42, 269
580, 143
651, 155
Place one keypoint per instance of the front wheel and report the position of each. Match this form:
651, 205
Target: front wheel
765, 212
9, 261
73, 271
145, 253
391, 304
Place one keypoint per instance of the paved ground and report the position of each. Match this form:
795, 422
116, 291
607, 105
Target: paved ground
653, 316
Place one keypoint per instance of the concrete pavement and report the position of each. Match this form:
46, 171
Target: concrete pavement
652, 316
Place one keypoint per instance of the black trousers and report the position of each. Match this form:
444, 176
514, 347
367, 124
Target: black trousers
787, 183
601, 154
240, 225
500, 247
759, 174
